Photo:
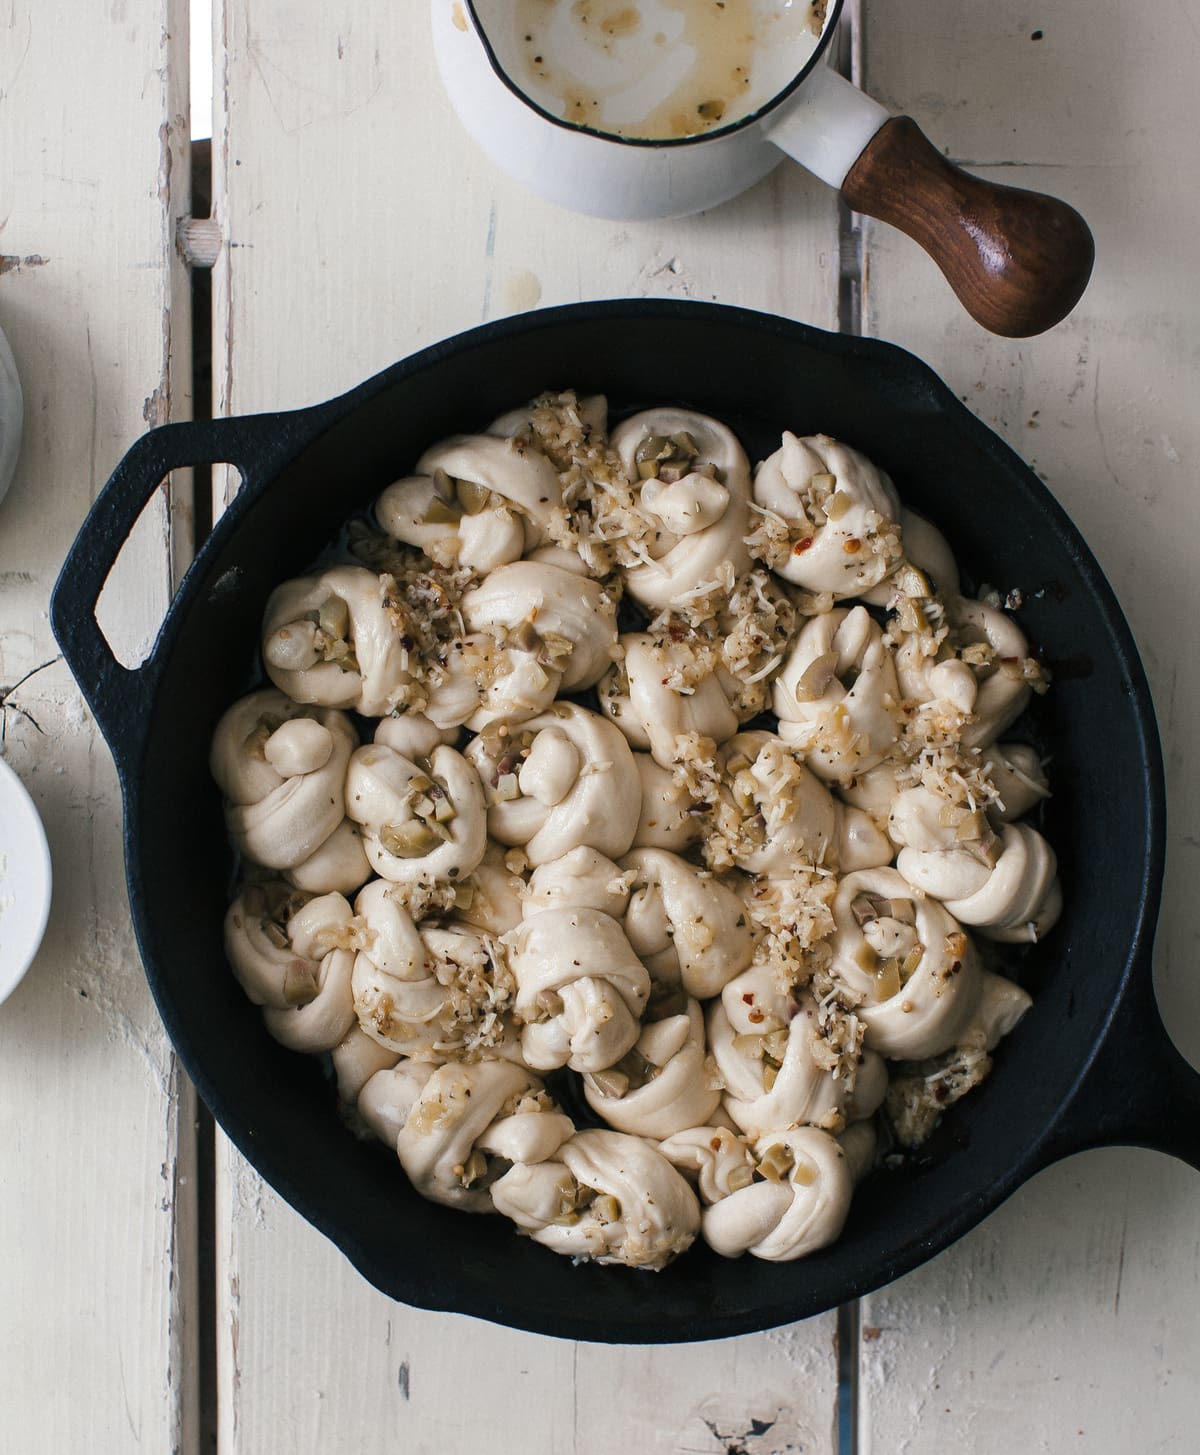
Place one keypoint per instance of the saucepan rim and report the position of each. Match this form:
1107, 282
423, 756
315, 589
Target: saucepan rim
742, 123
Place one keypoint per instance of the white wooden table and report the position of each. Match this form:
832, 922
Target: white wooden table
150, 1300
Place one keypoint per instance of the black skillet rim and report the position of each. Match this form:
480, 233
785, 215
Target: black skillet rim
300, 430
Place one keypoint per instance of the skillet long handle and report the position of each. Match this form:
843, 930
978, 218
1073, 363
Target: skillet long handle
1139, 1091
120, 696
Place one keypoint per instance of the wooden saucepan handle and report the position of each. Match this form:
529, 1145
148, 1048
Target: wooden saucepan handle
1018, 261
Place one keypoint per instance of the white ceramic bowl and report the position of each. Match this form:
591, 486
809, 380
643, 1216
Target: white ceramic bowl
24, 881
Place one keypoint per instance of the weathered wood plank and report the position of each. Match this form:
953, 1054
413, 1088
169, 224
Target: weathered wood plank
346, 249
314, 1359
1068, 1319
94, 1335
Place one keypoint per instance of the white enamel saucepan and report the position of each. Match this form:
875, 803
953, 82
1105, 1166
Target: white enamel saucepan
588, 103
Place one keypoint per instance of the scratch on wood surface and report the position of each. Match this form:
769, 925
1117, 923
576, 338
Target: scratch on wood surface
296, 102
489, 253
1120, 1265
1172, 691
235, 1368
20, 66
134, 1428
1099, 427
575, 1399
7, 705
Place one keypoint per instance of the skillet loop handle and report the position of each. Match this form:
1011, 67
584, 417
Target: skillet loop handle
1138, 1091
120, 696
1018, 260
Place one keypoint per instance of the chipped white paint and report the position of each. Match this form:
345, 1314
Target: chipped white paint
94, 1296
1066, 1321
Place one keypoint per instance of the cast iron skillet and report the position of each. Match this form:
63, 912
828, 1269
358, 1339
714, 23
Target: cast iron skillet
1091, 1064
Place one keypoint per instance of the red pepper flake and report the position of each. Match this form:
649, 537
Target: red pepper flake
852, 546
801, 546
748, 997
